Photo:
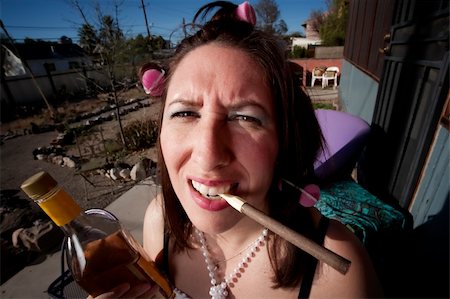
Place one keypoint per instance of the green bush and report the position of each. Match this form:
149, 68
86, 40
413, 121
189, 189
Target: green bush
301, 52
328, 106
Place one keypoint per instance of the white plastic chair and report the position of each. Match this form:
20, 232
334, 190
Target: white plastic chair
316, 77
331, 73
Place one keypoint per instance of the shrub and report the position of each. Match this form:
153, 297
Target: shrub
301, 52
140, 134
328, 106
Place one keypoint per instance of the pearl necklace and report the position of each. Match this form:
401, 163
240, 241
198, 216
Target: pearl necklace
219, 290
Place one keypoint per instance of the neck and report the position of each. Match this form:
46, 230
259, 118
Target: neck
230, 244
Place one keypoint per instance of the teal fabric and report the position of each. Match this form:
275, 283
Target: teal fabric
355, 207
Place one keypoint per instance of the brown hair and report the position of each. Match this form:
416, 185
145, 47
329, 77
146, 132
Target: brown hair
298, 131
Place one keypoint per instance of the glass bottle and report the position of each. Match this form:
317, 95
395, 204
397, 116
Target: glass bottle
101, 253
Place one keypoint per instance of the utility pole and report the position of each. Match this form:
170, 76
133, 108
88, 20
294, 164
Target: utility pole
146, 21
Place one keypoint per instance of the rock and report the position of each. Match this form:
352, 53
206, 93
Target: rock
139, 170
41, 157
125, 173
68, 162
41, 237
58, 160
102, 171
114, 173
50, 157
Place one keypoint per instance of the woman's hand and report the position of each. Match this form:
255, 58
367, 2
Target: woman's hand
124, 290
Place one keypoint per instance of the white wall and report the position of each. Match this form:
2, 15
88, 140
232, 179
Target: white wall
24, 90
304, 42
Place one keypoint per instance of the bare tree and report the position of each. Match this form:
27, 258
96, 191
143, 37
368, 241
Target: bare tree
332, 23
76, 4
316, 19
268, 17
106, 40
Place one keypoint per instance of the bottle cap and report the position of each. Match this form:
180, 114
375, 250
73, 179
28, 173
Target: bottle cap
38, 185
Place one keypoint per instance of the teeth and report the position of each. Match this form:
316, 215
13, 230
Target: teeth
212, 192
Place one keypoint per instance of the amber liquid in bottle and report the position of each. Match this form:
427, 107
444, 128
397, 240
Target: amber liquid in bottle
114, 260
100, 253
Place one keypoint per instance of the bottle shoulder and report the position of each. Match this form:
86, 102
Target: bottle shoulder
92, 224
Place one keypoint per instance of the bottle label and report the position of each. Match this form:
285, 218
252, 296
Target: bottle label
60, 207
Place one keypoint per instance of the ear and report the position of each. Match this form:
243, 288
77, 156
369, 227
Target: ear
153, 81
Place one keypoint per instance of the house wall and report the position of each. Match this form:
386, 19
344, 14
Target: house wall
433, 191
25, 92
304, 42
38, 68
357, 92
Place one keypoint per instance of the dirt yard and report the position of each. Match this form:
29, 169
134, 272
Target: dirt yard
17, 163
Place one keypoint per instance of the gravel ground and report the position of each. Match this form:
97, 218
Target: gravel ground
17, 164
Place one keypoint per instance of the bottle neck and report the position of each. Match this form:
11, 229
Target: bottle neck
76, 225
60, 207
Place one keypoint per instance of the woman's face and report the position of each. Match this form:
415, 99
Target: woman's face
218, 134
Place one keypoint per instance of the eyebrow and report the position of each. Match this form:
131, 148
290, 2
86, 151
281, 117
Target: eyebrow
243, 103
189, 103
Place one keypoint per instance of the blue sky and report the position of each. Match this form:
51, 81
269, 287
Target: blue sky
51, 19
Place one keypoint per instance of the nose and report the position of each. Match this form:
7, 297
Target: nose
212, 145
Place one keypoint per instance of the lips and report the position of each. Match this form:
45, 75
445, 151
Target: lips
206, 194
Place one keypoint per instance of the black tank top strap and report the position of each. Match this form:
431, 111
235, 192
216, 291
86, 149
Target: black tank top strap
165, 262
311, 265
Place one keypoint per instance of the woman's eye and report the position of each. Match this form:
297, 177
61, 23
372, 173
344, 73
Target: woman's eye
247, 118
183, 114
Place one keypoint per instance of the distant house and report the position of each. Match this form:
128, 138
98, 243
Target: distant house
58, 69
311, 38
44, 57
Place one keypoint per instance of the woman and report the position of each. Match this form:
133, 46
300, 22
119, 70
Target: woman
234, 122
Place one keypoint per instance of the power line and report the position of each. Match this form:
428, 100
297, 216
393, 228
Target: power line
38, 27
46, 38
74, 28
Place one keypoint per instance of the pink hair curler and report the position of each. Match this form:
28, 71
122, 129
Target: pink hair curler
153, 82
310, 195
246, 13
